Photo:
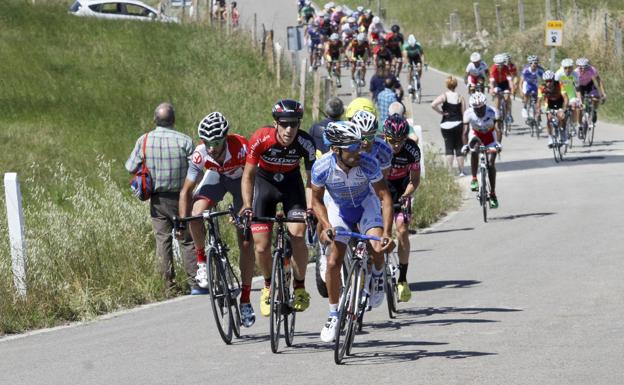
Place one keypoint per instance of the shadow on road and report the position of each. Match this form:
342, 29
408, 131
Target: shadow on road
516, 165
452, 310
434, 285
395, 356
446, 230
519, 216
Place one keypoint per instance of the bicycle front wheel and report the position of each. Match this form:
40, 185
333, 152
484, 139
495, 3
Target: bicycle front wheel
348, 310
483, 198
391, 284
220, 296
234, 287
591, 127
277, 298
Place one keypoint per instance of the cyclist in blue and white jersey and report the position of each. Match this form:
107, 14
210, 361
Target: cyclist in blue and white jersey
314, 40
531, 76
347, 174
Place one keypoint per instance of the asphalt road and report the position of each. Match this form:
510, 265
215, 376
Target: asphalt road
532, 297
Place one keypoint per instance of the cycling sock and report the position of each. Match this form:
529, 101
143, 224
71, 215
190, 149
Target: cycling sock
333, 309
402, 272
201, 255
245, 293
267, 282
376, 273
299, 284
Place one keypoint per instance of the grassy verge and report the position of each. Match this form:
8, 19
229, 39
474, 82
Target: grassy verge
76, 93
583, 35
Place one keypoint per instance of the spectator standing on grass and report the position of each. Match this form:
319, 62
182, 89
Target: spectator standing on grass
166, 156
334, 108
451, 106
385, 99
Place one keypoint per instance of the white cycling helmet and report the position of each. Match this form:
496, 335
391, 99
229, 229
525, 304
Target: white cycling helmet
368, 12
548, 75
351, 20
342, 133
532, 59
338, 9
507, 56
212, 127
499, 58
567, 62
582, 62
475, 57
477, 99
360, 9
365, 121
334, 37
411, 40
361, 37
376, 20
345, 28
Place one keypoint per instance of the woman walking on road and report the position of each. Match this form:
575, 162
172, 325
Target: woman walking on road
451, 106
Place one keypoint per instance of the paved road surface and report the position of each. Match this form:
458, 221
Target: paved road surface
532, 297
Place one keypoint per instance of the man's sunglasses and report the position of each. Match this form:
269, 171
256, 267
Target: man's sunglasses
368, 138
392, 140
352, 147
214, 143
289, 123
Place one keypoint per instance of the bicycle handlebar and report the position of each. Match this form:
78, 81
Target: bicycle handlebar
206, 214
352, 234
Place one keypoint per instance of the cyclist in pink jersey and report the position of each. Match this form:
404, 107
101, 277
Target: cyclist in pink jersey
589, 82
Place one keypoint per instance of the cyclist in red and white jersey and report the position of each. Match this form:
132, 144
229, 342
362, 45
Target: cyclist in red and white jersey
376, 31
403, 180
220, 159
480, 121
476, 72
501, 80
271, 176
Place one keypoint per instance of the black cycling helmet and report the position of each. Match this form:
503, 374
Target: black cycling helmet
395, 28
287, 109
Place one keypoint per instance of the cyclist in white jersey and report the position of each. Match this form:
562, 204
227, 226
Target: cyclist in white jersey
476, 71
347, 175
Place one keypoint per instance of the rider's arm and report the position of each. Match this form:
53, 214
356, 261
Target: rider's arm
319, 207
387, 211
601, 86
308, 189
414, 180
184, 204
566, 100
247, 184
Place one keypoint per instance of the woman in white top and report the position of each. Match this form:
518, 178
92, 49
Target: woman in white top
451, 106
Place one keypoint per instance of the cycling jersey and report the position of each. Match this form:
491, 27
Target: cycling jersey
314, 37
382, 152
407, 159
553, 95
476, 72
266, 152
358, 50
413, 52
394, 40
499, 74
531, 78
568, 82
233, 164
333, 50
586, 77
513, 70
347, 189
483, 128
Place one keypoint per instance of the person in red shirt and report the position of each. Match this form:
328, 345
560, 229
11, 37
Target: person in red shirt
513, 71
217, 166
271, 176
501, 81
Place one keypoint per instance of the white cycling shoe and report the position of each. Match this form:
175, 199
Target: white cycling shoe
377, 292
202, 276
328, 333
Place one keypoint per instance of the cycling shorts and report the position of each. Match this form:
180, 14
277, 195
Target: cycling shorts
397, 189
487, 138
588, 89
396, 52
529, 88
502, 86
555, 104
213, 187
268, 193
366, 216
414, 60
474, 80
333, 56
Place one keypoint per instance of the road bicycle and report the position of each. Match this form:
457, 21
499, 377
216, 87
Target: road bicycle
360, 82
559, 135
223, 285
483, 194
587, 126
333, 73
502, 110
281, 296
533, 119
414, 85
391, 269
317, 57
569, 127
354, 298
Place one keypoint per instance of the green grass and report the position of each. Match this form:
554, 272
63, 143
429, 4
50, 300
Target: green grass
427, 20
76, 94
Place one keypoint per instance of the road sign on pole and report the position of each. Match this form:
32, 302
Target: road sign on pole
295, 38
554, 33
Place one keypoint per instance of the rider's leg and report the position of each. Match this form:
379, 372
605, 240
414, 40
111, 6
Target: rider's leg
262, 250
376, 253
300, 250
353, 67
332, 275
402, 229
196, 228
492, 173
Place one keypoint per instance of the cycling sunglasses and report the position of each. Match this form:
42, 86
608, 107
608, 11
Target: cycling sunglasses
392, 140
352, 147
214, 143
289, 123
368, 138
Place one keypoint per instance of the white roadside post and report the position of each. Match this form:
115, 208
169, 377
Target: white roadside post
421, 144
15, 217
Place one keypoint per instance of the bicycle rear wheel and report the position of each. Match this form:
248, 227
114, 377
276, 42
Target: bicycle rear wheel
234, 289
591, 127
483, 198
556, 146
277, 298
219, 296
348, 310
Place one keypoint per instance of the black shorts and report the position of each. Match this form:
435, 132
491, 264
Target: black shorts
588, 89
214, 193
414, 60
502, 86
396, 52
453, 140
268, 193
555, 104
397, 188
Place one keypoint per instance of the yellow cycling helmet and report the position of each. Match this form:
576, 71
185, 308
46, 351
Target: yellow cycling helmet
358, 104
